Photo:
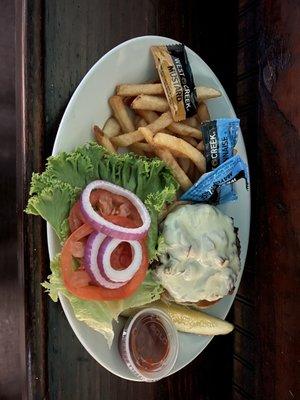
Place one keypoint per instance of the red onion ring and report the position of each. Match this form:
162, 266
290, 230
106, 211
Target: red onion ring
91, 263
106, 248
108, 228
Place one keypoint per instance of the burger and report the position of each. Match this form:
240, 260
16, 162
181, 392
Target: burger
201, 262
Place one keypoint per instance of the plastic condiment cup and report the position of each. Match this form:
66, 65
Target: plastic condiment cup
162, 338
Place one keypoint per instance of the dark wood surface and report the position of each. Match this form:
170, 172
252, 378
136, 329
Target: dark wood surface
278, 213
253, 48
32, 257
245, 338
10, 295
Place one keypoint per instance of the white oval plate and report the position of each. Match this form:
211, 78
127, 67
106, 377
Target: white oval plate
131, 62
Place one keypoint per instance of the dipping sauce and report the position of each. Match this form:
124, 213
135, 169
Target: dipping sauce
149, 344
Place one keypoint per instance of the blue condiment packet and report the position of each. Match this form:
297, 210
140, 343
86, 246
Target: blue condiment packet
219, 138
206, 189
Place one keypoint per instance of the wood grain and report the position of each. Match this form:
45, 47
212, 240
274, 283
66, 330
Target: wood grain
10, 376
245, 339
278, 255
32, 257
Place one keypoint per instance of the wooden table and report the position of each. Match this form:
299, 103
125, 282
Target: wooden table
253, 48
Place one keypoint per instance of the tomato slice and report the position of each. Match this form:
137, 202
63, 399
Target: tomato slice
76, 218
78, 248
110, 205
121, 257
113, 207
78, 282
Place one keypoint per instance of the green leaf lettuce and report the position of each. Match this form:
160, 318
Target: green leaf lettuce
99, 315
53, 193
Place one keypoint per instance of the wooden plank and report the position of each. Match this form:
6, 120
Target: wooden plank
247, 286
244, 378
31, 231
249, 126
10, 299
246, 93
247, 62
244, 347
244, 316
244, 5
239, 394
279, 194
247, 25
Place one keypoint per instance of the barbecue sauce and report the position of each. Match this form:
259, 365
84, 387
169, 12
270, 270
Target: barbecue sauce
148, 343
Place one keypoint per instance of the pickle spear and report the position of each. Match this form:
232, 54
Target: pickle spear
189, 320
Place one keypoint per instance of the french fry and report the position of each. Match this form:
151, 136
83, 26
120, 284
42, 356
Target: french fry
184, 163
141, 148
152, 103
174, 143
139, 122
136, 121
128, 100
179, 174
202, 113
111, 127
127, 139
161, 122
191, 141
121, 113
179, 128
135, 90
103, 140
145, 147
205, 93
200, 146
148, 116
142, 123
193, 173
178, 154
136, 136
192, 121
148, 135
168, 158
182, 129
136, 150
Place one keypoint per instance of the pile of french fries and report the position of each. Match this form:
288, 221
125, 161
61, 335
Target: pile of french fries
142, 123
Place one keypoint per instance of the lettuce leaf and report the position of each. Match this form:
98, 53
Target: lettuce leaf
53, 193
55, 190
96, 314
